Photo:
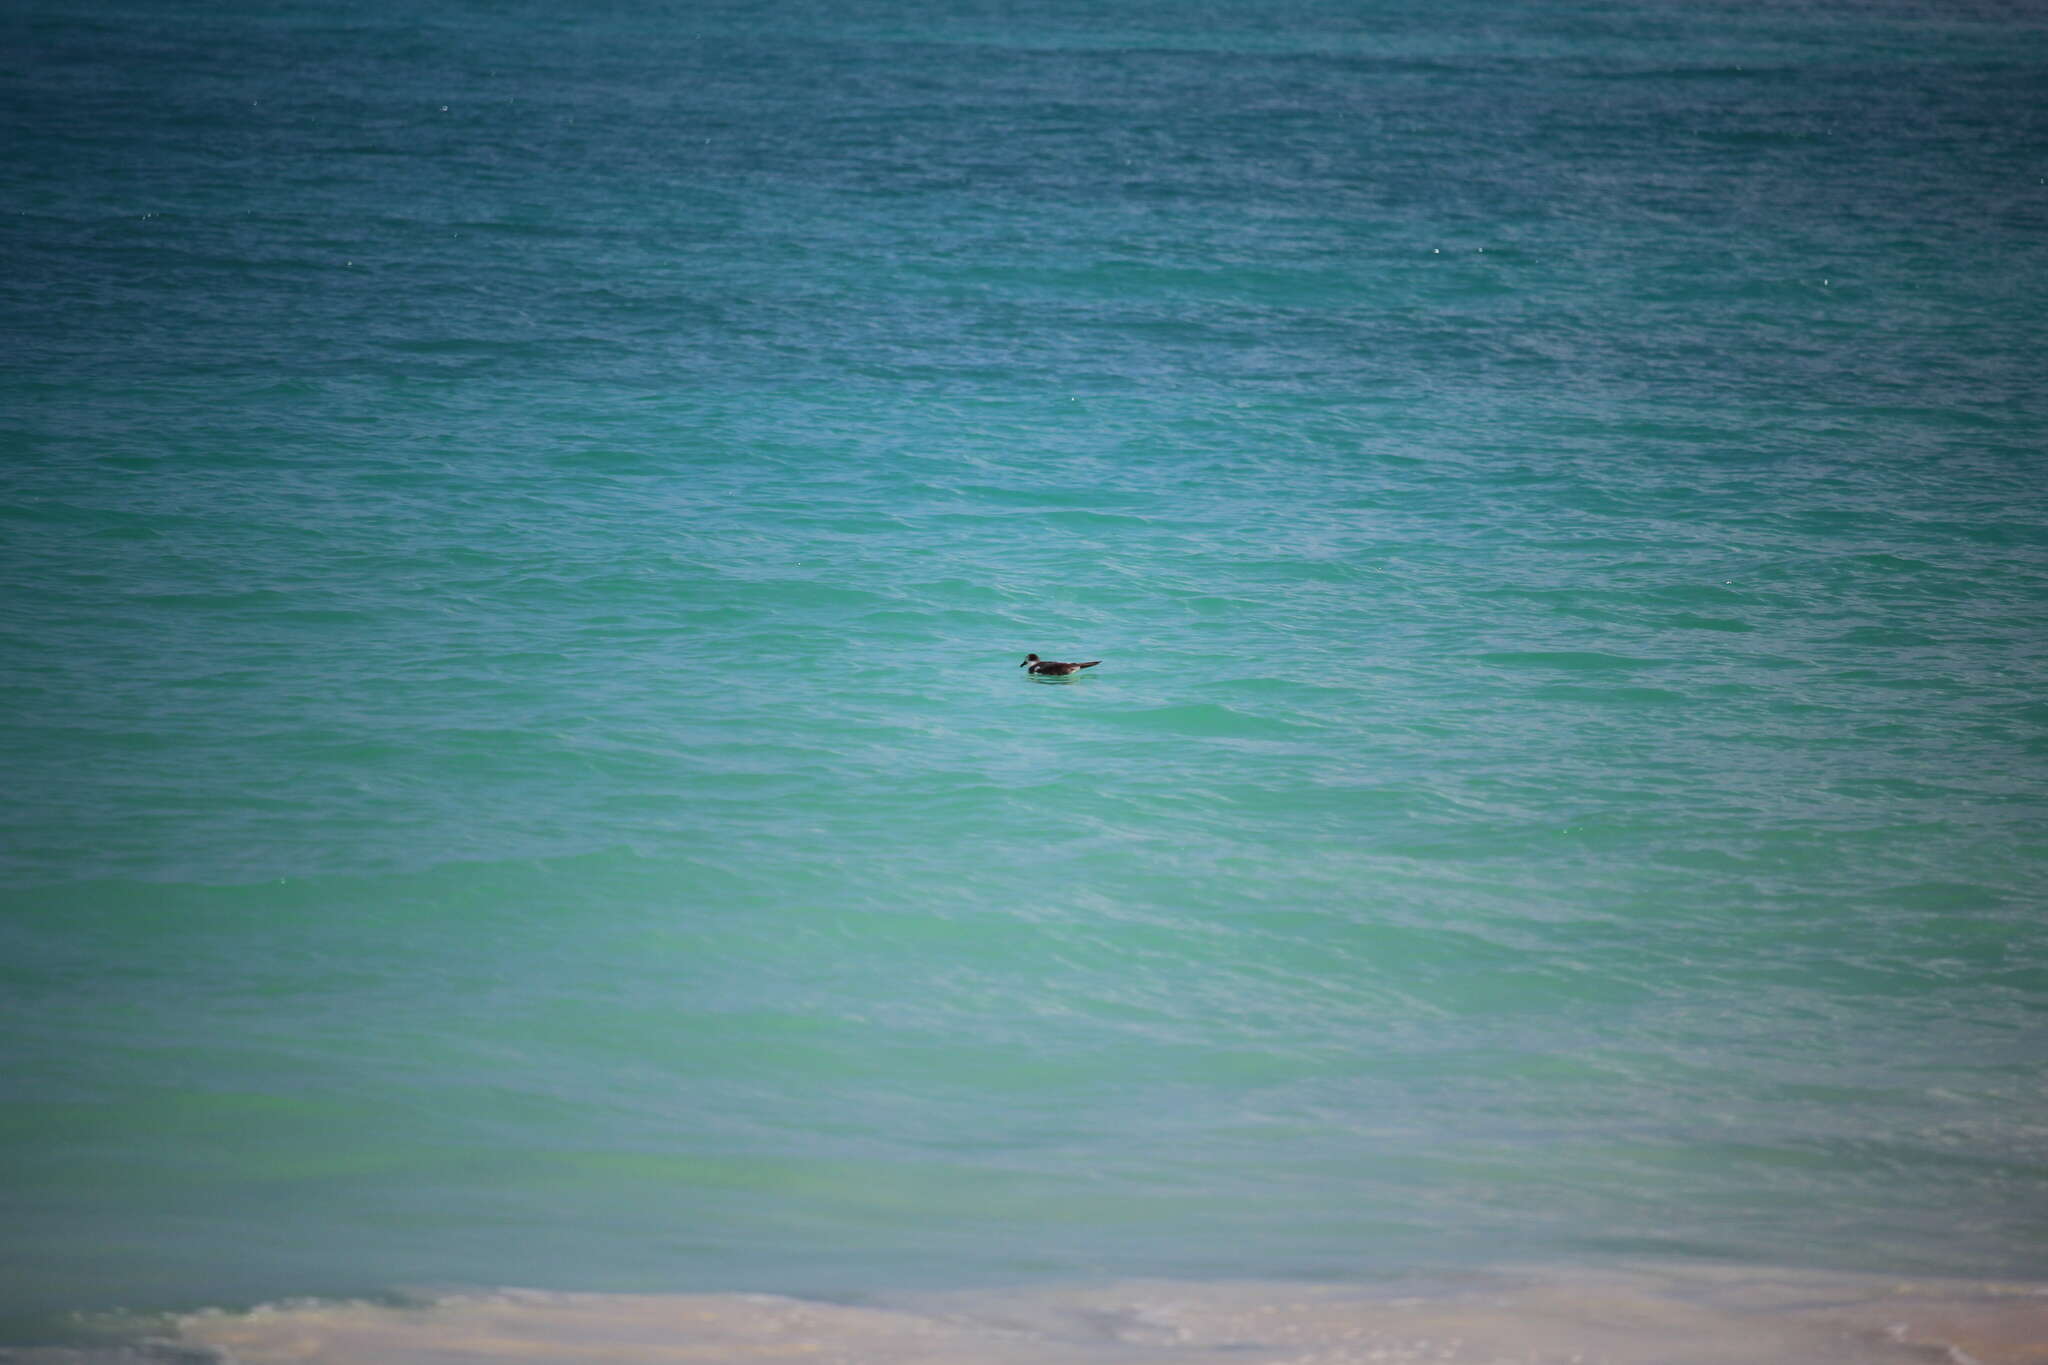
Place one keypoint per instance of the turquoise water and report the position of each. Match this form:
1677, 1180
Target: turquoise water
520, 527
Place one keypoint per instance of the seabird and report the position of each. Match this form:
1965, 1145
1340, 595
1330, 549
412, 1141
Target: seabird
1047, 666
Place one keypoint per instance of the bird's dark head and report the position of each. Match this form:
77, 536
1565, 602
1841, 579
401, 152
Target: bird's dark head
1029, 659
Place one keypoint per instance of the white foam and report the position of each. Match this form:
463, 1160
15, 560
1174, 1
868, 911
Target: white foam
1620, 1316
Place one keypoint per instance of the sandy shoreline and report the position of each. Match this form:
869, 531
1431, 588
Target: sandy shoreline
1634, 1315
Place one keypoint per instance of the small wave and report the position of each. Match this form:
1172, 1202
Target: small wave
1626, 696
1212, 720
1077, 518
1570, 661
1885, 636
1688, 621
1627, 1314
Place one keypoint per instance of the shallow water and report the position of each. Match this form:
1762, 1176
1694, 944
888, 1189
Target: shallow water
1623, 1315
519, 531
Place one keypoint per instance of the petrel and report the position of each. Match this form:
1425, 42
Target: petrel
1038, 665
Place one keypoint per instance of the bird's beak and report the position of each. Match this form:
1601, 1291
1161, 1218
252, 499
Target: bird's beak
1025, 662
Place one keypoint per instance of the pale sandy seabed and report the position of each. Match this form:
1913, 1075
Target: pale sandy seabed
1622, 1316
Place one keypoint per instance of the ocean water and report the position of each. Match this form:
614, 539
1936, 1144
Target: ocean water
520, 523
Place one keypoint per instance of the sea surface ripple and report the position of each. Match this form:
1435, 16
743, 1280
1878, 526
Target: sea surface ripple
518, 530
